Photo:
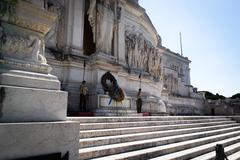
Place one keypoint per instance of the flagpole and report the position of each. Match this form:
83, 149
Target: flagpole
181, 43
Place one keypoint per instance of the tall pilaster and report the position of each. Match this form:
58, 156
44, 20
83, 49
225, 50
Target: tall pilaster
121, 34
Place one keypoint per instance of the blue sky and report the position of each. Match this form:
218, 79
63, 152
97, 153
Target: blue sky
211, 35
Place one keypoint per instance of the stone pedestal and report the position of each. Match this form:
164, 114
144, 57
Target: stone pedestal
28, 92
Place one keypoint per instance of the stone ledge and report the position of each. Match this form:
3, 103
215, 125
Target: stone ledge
29, 79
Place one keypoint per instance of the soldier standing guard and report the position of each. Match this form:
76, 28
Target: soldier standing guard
139, 101
83, 96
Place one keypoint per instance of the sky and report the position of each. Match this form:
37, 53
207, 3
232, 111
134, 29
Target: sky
210, 38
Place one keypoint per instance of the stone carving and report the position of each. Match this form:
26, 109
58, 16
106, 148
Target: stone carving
145, 55
55, 37
171, 83
141, 54
130, 42
105, 27
29, 48
92, 17
155, 63
140, 50
20, 19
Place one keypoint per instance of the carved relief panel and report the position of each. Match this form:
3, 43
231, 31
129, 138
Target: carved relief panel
171, 83
141, 54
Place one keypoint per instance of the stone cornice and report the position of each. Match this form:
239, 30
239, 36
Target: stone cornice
164, 50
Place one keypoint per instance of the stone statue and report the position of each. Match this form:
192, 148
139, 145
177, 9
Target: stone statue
105, 27
104, 23
55, 37
159, 44
130, 41
30, 48
140, 50
92, 17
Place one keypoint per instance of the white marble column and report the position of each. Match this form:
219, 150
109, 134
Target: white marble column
75, 26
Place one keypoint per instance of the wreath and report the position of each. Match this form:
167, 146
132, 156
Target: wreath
111, 86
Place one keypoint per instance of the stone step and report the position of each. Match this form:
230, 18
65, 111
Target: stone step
137, 119
186, 140
110, 110
116, 111
196, 151
121, 131
118, 114
178, 151
228, 151
92, 126
235, 156
98, 141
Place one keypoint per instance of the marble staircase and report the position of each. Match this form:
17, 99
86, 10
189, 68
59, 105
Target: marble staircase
157, 137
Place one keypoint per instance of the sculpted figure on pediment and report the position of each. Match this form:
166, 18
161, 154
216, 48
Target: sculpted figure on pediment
29, 48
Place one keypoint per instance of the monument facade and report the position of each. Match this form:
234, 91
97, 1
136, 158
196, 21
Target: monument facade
117, 36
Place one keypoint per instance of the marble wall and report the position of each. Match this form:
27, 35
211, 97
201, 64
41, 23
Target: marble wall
185, 106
